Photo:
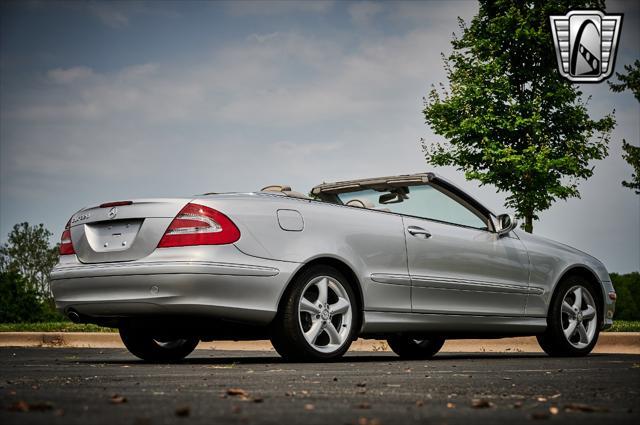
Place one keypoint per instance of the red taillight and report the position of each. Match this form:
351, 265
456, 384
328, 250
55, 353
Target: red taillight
199, 225
66, 245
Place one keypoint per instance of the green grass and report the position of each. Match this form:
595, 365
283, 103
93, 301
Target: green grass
618, 326
53, 327
625, 326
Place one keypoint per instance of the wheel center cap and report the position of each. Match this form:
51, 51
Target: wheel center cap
579, 316
325, 314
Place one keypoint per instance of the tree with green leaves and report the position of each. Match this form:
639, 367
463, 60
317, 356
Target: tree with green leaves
630, 81
27, 253
509, 118
20, 303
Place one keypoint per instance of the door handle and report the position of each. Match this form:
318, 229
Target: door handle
418, 231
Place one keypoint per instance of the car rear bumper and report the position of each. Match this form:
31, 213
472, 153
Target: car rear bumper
174, 281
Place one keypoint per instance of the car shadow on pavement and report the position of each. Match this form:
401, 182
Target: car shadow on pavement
202, 357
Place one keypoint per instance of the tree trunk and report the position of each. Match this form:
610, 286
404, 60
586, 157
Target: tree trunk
528, 223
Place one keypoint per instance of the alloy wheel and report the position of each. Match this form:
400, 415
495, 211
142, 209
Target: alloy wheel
579, 316
325, 314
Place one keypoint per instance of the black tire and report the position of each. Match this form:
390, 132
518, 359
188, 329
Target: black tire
286, 333
145, 347
553, 341
412, 348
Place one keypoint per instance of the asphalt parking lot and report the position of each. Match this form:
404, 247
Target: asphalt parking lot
109, 386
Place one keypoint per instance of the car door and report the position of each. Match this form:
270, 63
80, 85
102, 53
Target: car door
456, 263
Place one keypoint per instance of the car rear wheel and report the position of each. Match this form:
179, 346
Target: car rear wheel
154, 349
318, 318
412, 348
573, 324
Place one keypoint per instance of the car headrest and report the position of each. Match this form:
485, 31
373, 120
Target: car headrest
360, 203
276, 188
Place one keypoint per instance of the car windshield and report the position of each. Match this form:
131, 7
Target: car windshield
423, 201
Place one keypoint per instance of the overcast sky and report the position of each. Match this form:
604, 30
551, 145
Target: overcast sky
109, 101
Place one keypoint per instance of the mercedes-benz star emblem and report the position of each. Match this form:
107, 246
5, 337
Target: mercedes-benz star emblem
113, 212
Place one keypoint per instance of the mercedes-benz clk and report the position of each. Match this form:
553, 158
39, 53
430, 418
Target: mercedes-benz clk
411, 259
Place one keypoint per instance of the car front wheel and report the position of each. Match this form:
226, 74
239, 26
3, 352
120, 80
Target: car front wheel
573, 323
318, 318
153, 349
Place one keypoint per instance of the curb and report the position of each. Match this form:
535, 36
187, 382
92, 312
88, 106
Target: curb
609, 342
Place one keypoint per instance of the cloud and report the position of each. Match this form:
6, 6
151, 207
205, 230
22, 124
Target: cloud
286, 80
111, 14
363, 12
277, 7
269, 98
69, 75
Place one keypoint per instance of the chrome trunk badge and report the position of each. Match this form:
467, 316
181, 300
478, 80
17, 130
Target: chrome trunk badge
113, 212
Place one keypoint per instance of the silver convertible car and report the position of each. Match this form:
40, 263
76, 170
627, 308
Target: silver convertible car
411, 259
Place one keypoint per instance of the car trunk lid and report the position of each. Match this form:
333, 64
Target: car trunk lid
123, 230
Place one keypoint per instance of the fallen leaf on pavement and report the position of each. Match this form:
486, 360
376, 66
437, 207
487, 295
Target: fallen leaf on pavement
481, 404
367, 421
579, 407
23, 406
117, 399
237, 391
19, 406
451, 405
554, 410
309, 407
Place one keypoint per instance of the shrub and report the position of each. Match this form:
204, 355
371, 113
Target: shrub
20, 303
627, 287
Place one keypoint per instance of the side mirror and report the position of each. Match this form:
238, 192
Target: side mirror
506, 223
